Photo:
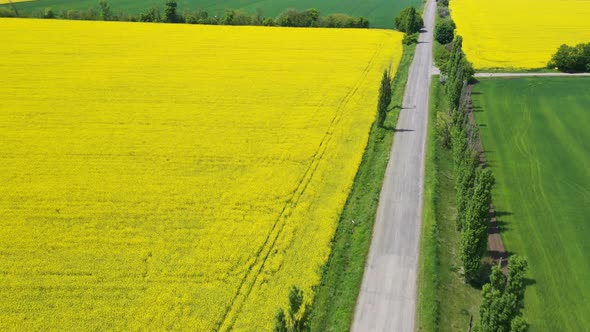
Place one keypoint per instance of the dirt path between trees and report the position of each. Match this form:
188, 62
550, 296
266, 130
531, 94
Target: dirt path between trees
495, 245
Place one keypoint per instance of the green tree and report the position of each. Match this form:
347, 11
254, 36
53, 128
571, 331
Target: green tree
465, 183
518, 324
409, 21
105, 10
516, 279
228, 18
297, 319
500, 308
313, 17
258, 17
280, 322
152, 15
474, 233
571, 58
269, 22
48, 13
170, 14
444, 32
384, 98
362, 22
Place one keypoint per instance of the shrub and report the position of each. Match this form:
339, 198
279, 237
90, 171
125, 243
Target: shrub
410, 39
441, 55
5, 12
443, 12
152, 15
170, 12
105, 11
48, 13
269, 22
295, 18
444, 32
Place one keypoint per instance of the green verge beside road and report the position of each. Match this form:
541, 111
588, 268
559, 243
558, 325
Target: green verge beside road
445, 301
336, 296
536, 135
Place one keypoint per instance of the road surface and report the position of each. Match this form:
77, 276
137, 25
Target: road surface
387, 300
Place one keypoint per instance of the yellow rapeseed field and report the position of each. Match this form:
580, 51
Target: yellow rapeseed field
519, 34
174, 177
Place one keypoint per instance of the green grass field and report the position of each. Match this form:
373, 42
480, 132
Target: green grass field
379, 12
536, 133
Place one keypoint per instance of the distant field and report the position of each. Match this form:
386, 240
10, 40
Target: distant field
13, 1
379, 12
519, 34
175, 177
536, 133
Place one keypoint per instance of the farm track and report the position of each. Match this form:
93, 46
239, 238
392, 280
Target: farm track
256, 268
387, 299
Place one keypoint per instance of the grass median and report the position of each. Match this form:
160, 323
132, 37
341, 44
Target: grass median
445, 302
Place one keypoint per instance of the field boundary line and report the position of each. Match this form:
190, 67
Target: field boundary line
483, 75
253, 272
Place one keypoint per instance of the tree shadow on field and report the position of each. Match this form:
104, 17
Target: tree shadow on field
502, 226
529, 282
477, 109
503, 213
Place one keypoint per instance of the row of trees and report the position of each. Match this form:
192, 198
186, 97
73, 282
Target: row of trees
444, 34
289, 18
503, 296
473, 183
571, 58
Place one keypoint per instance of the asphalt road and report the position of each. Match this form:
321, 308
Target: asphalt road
387, 300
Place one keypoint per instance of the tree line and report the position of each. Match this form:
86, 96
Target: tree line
503, 295
571, 59
472, 182
289, 18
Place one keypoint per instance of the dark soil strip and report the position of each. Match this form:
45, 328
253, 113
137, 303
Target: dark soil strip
495, 245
